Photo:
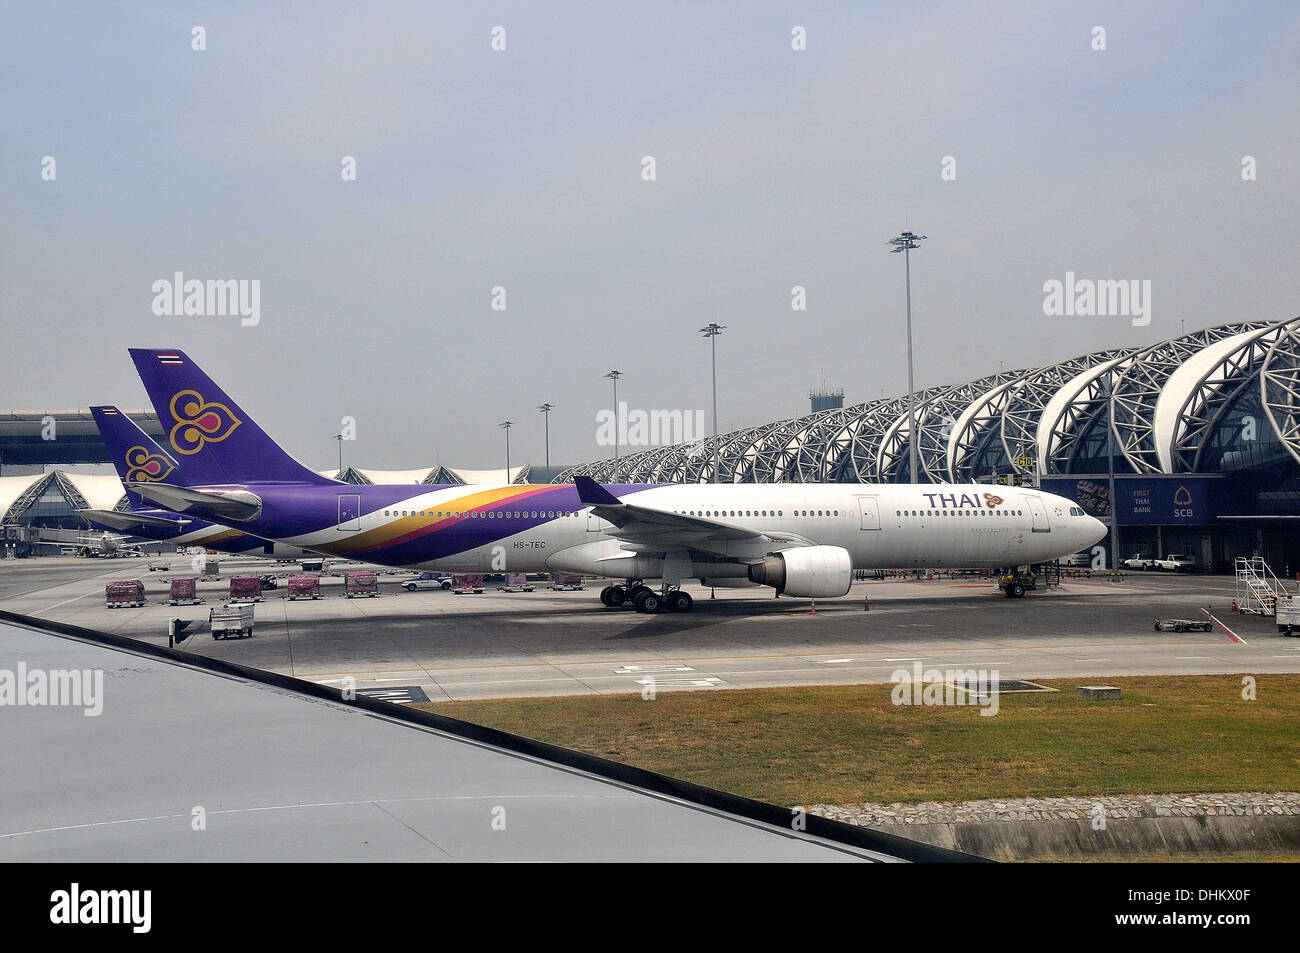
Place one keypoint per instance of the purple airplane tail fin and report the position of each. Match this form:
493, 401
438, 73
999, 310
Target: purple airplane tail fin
135, 455
210, 436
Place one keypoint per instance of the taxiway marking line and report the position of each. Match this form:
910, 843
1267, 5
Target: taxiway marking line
731, 658
1232, 635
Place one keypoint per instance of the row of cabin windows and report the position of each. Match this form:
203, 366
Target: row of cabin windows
491, 514
757, 512
958, 512
552, 514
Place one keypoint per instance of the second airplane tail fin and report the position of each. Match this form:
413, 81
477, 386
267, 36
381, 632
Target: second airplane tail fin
210, 436
135, 455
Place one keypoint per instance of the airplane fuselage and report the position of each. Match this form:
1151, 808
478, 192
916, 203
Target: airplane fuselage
540, 528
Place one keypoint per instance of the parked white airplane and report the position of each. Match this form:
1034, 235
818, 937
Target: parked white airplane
801, 539
807, 539
95, 544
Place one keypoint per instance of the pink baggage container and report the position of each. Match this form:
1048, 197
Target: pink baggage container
245, 587
183, 589
124, 592
566, 580
304, 586
360, 583
466, 582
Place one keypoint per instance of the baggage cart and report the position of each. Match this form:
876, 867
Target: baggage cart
124, 592
234, 621
466, 582
184, 591
245, 589
360, 583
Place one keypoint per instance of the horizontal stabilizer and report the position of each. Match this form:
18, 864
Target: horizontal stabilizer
126, 520
220, 505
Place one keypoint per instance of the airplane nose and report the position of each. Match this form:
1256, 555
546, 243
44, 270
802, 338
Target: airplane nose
1099, 529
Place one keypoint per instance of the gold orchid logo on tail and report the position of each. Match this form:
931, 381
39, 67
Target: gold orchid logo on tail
145, 467
199, 422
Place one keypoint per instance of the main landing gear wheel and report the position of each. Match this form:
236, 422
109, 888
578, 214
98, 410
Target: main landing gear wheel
634, 592
680, 601
1015, 591
613, 596
648, 601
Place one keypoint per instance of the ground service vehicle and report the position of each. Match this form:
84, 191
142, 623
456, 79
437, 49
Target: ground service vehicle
1288, 614
428, 580
515, 582
1183, 625
1017, 582
1176, 563
231, 621
1139, 562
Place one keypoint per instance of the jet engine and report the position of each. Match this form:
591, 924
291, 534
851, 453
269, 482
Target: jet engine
809, 571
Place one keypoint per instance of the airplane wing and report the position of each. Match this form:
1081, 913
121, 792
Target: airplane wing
649, 530
126, 520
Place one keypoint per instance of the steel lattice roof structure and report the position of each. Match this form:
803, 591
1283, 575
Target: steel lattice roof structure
1215, 400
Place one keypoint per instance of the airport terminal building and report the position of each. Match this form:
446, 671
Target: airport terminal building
1201, 431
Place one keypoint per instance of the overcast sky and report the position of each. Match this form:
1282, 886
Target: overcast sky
523, 168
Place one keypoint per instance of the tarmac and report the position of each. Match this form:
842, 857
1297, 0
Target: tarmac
439, 646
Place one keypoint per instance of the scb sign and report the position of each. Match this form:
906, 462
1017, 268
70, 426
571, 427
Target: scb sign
1150, 501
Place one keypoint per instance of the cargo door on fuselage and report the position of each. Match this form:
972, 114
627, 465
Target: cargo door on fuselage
349, 512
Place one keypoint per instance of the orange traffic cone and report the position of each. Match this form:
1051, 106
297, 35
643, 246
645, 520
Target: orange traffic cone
866, 604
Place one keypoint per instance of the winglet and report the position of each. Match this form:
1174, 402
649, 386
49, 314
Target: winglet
593, 494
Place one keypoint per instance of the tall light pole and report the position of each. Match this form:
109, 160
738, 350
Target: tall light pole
546, 410
905, 243
1110, 472
711, 331
339, 438
614, 376
506, 425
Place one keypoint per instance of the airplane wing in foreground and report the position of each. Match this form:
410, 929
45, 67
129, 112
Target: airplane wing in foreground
646, 529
